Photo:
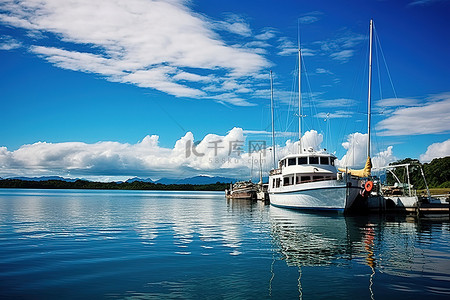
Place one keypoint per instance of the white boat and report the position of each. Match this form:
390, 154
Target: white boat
309, 179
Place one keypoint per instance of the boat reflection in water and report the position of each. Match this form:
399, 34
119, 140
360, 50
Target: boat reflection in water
309, 239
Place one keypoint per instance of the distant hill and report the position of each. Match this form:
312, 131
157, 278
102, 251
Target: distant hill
45, 178
138, 179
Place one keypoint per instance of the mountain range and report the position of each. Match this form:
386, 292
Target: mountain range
191, 180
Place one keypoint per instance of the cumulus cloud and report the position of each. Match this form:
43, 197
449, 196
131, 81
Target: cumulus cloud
151, 44
429, 118
215, 155
356, 156
436, 150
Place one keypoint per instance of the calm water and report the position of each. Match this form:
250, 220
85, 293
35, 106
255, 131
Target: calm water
197, 245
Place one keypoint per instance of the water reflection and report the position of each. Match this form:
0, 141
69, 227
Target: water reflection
199, 245
306, 239
393, 247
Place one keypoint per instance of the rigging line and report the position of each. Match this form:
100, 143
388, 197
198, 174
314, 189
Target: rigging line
291, 102
375, 141
312, 106
378, 70
385, 64
358, 84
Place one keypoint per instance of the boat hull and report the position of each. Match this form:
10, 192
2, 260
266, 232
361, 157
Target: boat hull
327, 196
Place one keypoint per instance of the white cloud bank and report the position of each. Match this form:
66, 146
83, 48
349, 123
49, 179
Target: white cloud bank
145, 158
158, 44
436, 150
215, 155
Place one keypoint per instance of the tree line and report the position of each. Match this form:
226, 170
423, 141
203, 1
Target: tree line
92, 185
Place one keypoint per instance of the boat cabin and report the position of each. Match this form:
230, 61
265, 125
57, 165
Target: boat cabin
303, 168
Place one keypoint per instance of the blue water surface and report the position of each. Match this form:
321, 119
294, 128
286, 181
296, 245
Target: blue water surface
73, 244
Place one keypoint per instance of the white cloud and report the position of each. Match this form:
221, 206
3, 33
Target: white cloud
343, 55
266, 34
145, 158
423, 2
9, 43
214, 155
384, 158
269, 133
342, 47
393, 102
235, 24
356, 156
310, 17
436, 150
288, 48
340, 114
146, 43
429, 118
323, 71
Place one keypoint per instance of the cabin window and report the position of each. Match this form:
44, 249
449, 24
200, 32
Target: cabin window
291, 161
278, 182
317, 178
273, 183
324, 160
286, 181
297, 179
313, 160
302, 160
305, 178
332, 161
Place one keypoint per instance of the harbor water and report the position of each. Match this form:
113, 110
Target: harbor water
79, 244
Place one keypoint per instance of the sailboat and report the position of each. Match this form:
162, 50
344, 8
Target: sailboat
309, 179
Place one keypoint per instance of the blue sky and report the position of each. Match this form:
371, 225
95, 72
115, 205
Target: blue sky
108, 89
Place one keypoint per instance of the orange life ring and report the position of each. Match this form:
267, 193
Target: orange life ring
368, 186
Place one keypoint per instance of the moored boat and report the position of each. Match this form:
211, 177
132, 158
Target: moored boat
309, 179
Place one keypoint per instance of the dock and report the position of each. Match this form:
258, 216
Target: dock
434, 207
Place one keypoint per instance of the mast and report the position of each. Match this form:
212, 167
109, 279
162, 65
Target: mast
370, 88
260, 169
299, 99
273, 126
